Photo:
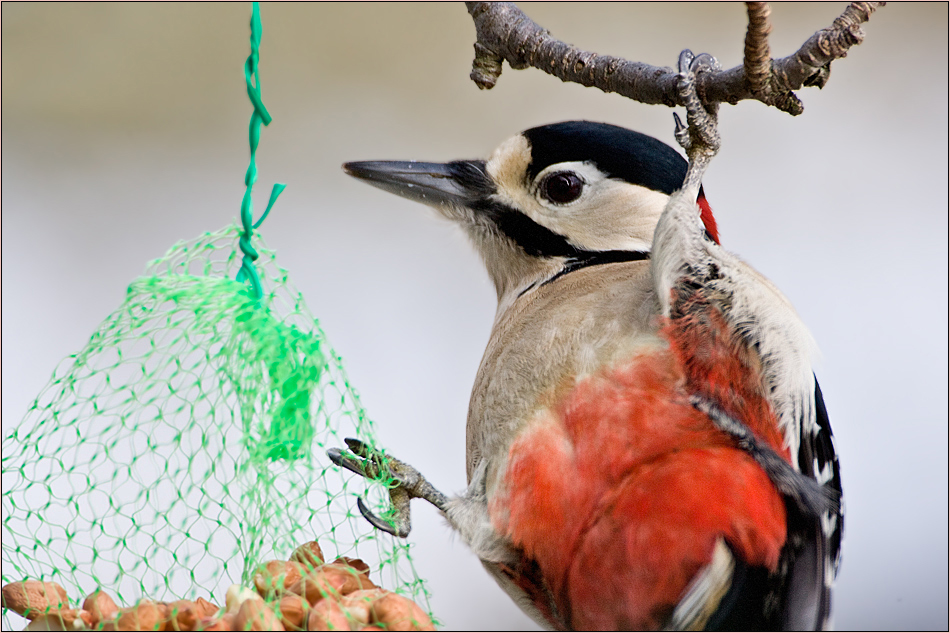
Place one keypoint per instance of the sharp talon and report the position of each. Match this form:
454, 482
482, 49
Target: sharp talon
680, 126
704, 61
402, 480
335, 455
681, 132
368, 467
343, 460
376, 522
358, 447
685, 60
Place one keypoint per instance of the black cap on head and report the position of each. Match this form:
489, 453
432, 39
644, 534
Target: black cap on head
618, 152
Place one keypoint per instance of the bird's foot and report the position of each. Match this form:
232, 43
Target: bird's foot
405, 483
700, 136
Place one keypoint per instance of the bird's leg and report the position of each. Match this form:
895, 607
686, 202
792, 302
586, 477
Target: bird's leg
700, 136
680, 247
405, 483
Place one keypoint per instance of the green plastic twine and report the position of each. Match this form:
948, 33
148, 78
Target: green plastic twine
260, 115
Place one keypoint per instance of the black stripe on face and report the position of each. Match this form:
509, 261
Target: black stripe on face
534, 239
539, 241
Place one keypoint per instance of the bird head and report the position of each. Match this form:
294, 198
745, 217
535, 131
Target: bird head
549, 200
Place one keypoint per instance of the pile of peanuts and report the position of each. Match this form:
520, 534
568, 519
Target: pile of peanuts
300, 594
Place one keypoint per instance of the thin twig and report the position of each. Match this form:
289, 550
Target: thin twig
504, 32
757, 60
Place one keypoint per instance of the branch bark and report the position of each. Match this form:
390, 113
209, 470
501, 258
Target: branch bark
505, 33
757, 60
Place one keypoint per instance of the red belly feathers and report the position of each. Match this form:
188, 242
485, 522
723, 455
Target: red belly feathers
619, 492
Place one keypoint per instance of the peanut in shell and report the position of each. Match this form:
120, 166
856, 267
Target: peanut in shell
396, 613
327, 615
33, 598
255, 615
309, 555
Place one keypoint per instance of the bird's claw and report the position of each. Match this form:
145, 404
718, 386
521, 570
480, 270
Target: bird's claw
404, 483
700, 136
373, 464
367, 467
399, 522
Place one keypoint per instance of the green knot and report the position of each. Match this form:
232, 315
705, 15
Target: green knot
260, 116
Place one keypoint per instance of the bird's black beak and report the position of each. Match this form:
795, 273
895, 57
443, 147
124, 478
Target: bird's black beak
436, 184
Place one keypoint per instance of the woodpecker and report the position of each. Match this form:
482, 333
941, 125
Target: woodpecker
647, 445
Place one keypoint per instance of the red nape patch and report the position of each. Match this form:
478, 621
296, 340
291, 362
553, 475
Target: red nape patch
706, 215
620, 492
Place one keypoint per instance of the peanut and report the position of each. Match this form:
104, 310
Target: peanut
276, 576
63, 620
396, 613
207, 609
145, 616
254, 615
330, 580
101, 606
33, 598
223, 623
355, 563
293, 611
327, 615
309, 555
357, 604
182, 615
236, 595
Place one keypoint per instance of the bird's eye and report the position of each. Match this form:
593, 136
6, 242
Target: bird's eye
562, 187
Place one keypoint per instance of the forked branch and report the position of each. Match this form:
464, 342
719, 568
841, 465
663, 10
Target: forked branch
505, 33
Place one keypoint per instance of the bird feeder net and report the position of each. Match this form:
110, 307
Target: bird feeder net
185, 444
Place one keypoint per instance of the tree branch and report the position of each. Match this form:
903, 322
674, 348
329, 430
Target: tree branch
757, 62
504, 32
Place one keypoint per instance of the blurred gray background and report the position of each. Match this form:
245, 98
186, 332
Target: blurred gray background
124, 129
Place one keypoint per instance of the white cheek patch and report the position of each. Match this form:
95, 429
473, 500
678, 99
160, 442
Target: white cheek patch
508, 168
527, 198
609, 215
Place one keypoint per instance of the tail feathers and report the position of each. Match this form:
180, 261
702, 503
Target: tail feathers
705, 593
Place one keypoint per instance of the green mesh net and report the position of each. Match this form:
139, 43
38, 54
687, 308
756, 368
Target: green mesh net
185, 444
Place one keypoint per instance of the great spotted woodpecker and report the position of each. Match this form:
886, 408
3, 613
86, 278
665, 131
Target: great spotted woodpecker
647, 443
